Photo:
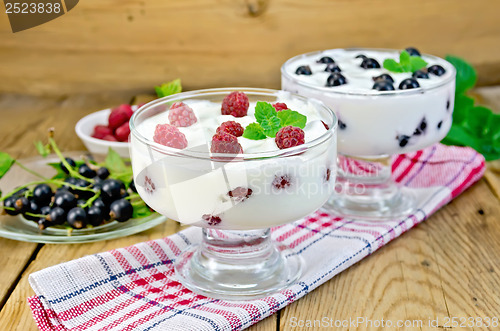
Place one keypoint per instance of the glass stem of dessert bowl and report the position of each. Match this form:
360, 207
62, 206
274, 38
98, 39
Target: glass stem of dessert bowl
365, 189
237, 265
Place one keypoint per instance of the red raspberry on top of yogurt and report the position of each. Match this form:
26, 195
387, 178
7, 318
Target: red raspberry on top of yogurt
235, 103
181, 115
169, 135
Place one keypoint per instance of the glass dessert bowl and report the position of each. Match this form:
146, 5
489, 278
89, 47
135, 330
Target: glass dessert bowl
192, 164
379, 116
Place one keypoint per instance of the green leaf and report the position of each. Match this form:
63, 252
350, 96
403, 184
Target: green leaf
463, 104
42, 149
114, 162
392, 65
293, 118
169, 88
417, 63
6, 162
141, 211
466, 74
478, 122
460, 137
254, 131
267, 117
404, 61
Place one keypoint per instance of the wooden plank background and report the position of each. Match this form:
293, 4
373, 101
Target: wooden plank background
132, 45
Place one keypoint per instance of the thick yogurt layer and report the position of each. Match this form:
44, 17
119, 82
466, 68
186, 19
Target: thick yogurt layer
196, 190
371, 122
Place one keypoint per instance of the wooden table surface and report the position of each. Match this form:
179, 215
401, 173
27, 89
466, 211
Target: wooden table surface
448, 266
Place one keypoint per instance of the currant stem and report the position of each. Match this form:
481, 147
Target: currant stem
22, 166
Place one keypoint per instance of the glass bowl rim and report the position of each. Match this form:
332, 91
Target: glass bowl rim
221, 157
370, 93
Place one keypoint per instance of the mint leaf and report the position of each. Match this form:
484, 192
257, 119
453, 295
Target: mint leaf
474, 126
114, 162
417, 63
42, 149
169, 88
254, 131
392, 65
404, 61
267, 117
463, 104
466, 74
6, 162
293, 118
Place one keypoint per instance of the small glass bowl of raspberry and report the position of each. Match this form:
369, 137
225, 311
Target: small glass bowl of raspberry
200, 158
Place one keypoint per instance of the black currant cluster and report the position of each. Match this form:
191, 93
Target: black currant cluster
89, 197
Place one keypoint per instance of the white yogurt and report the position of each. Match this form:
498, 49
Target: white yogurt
371, 122
187, 189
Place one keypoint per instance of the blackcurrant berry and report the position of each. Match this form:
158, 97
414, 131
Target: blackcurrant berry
44, 223
45, 210
303, 70
369, 63
408, 83
436, 70
56, 216
86, 172
384, 77
336, 79
361, 56
112, 189
439, 124
42, 193
32, 208
10, 202
403, 140
95, 215
71, 163
420, 74
121, 210
103, 206
77, 218
64, 199
383, 85
412, 51
332, 68
103, 173
342, 125
325, 59
22, 204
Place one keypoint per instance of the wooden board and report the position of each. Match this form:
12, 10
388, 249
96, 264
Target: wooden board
111, 46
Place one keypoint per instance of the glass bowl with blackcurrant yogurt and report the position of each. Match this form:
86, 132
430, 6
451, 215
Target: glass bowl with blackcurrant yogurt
380, 113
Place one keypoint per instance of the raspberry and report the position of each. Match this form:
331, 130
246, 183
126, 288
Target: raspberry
181, 114
279, 106
121, 134
236, 104
231, 127
240, 193
100, 131
127, 109
117, 117
282, 182
289, 136
211, 219
223, 142
169, 135
109, 137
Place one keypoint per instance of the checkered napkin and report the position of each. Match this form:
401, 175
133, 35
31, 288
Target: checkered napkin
135, 288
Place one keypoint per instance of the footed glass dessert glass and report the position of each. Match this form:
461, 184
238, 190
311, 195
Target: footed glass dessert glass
378, 116
234, 198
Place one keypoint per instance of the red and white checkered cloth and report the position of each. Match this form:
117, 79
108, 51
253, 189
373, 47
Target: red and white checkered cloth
135, 288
